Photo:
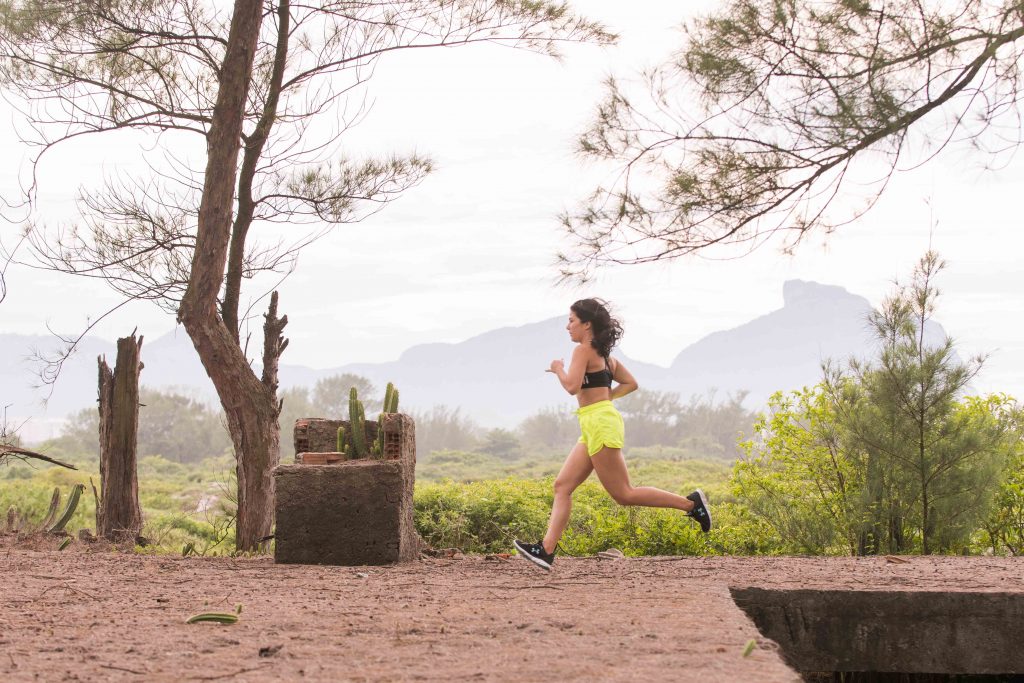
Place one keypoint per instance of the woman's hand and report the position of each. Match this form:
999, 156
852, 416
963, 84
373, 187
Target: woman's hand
627, 383
571, 379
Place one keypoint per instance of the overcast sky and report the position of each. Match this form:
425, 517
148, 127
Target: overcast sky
472, 248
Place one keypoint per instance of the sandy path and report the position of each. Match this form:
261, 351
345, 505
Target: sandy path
91, 616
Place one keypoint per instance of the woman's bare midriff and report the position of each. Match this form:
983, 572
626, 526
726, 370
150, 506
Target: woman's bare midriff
588, 397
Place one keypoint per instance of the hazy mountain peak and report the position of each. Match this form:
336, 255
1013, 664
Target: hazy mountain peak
808, 293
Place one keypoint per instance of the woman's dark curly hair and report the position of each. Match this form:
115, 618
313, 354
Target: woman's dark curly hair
607, 330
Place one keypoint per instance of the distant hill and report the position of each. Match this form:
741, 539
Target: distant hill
498, 377
781, 350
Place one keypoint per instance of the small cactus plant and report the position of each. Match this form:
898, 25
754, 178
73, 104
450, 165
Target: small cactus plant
51, 513
353, 442
377, 450
390, 399
69, 509
357, 424
390, 406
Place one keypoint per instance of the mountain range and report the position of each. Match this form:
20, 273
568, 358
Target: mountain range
497, 377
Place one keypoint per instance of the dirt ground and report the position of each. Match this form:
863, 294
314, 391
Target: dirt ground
86, 614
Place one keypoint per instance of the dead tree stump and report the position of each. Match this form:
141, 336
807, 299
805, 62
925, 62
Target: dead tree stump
356, 512
118, 513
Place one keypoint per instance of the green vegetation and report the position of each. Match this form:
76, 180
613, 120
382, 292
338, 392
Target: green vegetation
182, 503
478, 503
390, 407
171, 425
485, 515
887, 455
69, 509
188, 507
390, 399
1004, 528
357, 424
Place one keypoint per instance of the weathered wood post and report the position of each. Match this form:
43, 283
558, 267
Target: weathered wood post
118, 513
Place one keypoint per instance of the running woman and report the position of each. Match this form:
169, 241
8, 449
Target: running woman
589, 378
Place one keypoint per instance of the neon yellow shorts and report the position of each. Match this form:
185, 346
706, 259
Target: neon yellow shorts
601, 426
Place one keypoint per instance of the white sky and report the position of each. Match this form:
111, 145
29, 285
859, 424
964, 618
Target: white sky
472, 248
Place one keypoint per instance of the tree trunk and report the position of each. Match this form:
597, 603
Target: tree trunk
926, 520
118, 514
250, 404
256, 434
870, 536
897, 539
252, 409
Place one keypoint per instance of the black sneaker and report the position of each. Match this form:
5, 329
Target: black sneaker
535, 553
700, 511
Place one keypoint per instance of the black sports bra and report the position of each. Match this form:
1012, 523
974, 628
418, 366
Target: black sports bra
598, 379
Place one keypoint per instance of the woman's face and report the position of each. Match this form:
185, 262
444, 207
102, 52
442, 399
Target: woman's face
578, 331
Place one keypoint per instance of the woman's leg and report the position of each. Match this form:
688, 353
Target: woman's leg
611, 470
575, 470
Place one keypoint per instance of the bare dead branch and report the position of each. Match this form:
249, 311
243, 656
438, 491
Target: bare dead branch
8, 451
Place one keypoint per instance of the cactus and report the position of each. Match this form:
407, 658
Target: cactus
357, 424
52, 511
69, 509
390, 406
341, 439
390, 399
362, 450
378, 444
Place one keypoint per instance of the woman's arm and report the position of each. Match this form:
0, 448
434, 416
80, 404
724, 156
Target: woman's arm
572, 381
627, 383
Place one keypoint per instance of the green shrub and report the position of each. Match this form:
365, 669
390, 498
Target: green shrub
32, 499
481, 517
1003, 531
157, 466
484, 517
19, 472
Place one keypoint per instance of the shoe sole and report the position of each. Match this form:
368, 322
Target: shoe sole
707, 508
527, 556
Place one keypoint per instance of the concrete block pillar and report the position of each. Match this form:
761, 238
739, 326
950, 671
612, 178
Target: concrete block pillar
356, 512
